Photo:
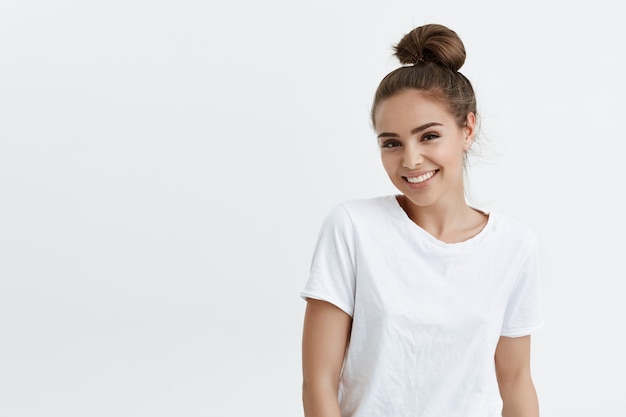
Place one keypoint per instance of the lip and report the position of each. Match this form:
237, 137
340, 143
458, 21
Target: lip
415, 174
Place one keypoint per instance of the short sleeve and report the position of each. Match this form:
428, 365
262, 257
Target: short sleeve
332, 275
524, 313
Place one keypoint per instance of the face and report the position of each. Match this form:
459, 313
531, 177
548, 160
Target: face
423, 148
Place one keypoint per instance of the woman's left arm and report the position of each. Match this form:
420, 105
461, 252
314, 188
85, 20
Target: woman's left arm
513, 371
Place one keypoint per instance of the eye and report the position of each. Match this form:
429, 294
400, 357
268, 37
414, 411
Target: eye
429, 136
390, 144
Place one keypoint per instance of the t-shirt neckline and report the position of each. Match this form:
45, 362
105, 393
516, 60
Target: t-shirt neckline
399, 211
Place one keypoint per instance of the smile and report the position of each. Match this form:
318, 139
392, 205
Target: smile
421, 178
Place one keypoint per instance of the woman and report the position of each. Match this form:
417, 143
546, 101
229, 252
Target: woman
419, 304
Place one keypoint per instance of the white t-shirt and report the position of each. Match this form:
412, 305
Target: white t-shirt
427, 315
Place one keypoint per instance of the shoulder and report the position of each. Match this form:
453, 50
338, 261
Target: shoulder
372, 203
511, 231
361, 214
510, 225
366, 210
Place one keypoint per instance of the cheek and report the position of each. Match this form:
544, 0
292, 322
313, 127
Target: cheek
453, 155
388, 162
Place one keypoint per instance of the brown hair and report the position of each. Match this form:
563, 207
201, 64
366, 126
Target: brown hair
431, 56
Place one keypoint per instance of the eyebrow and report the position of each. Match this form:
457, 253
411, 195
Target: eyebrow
414, 131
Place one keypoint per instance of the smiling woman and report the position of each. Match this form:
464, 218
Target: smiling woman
425, 162
419, 304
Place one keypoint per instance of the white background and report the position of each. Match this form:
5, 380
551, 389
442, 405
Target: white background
165, 167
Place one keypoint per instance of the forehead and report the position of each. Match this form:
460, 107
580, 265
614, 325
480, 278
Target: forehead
408, 109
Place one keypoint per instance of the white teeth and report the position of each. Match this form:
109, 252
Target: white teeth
421, 178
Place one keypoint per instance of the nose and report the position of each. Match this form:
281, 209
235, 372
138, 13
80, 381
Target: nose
412, 157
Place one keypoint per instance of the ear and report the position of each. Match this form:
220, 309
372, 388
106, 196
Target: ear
469, 129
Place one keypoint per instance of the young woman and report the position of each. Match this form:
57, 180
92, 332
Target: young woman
419, 304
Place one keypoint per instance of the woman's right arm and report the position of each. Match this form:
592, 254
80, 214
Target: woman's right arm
324, 341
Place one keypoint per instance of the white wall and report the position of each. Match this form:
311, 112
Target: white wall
165, 166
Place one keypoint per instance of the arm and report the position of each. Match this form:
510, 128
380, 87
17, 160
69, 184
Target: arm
513, 372
324, 342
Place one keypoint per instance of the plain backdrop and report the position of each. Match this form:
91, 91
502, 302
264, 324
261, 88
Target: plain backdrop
165, 167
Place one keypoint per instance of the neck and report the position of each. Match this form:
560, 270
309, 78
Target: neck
452, 222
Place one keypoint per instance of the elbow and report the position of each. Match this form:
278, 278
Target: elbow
317, 387
319, 395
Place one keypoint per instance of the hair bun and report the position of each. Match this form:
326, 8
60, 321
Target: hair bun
431, 43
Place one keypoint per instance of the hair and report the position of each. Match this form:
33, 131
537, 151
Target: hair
431, 56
